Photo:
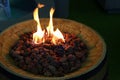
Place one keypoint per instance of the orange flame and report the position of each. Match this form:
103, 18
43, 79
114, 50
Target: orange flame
40, 5
57, 35
50, 26
39, 36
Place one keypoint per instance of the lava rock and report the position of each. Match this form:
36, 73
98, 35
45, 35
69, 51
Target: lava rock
48, 59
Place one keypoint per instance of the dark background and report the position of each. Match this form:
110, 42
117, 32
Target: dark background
107, 25
89, 12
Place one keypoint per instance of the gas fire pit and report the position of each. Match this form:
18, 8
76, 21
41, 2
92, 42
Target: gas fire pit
64, 49
93, 41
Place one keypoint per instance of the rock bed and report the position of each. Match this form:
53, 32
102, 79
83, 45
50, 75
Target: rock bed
48, 59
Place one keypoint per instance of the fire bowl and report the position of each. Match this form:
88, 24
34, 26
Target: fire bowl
96, 45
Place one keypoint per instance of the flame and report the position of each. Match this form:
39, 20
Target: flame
50, 26
40, 5
40, 36
57, 35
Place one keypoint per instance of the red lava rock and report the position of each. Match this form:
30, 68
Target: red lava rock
48, 59
27, 60
17, 52
63, 59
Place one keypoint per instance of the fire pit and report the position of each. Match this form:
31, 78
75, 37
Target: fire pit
94, 45
94, 42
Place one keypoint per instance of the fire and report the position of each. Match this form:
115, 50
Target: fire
50, 26
57, 35
40, 36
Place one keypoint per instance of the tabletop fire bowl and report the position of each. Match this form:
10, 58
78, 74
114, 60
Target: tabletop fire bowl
95, 44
